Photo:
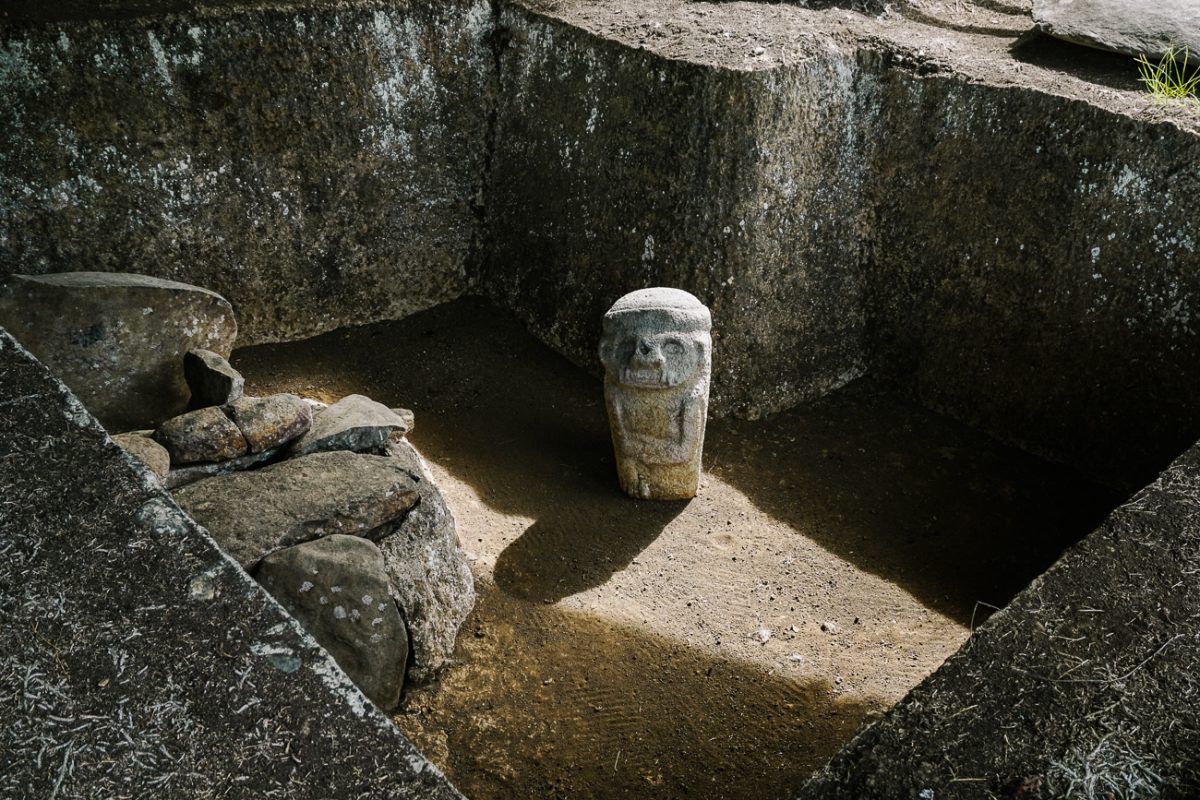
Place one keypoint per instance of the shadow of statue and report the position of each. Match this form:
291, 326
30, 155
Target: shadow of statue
922, 501
563, 554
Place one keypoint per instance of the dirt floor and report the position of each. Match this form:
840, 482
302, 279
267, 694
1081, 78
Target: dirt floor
718, 648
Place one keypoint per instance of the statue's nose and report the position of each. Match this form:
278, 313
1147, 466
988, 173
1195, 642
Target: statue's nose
646, 353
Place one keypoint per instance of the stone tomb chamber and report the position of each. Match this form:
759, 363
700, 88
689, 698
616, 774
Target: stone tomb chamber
945, 536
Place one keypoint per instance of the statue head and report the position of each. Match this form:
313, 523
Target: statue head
656, 339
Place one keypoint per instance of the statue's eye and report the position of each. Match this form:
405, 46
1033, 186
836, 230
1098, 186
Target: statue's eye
673, 348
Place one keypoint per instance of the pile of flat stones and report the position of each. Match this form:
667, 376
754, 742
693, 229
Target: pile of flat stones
330, 509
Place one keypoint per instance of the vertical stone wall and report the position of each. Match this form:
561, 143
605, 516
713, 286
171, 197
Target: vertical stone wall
1035, 269
616, 169
318, 166
1023, 261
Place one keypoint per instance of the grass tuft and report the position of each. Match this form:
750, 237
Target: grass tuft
1171, 78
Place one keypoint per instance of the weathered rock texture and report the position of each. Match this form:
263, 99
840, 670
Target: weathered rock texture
429, 572
190, 473
354, 423
617, 169
136, 659
116, 339
269, 422
206, 434
657, 355
338, 590
1136, 27
1012, 242
390, 500
1010, 235
851, 201
1047, 294
318, 165
149, 452
253, 513
1081, 687
211, 380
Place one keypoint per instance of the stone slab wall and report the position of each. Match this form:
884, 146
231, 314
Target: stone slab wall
1035, 268
616, 169
1023, 261
136, 659
318, 166
1082, 687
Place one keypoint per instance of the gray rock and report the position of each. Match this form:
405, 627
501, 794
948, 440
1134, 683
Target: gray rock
135, 651
182, 476
117, 340
354, 423
253, 513
268, 422
428, 570
657, 356
1136, 27
212, 380
151, 453
408, 417
336, 587
202, 435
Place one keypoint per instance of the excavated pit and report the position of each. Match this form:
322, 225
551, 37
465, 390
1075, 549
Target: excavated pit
617, 648
892, 216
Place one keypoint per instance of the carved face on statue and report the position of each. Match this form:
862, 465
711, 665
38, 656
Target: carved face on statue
657, 354
656, 339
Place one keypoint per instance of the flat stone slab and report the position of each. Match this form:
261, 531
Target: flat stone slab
136, 659
190, 473
269, 422
1089, 678
339, 591
1135, 27
253, 513
118, 339
354, 423
206, 434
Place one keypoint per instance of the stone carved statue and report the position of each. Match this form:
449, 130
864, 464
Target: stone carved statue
657, 355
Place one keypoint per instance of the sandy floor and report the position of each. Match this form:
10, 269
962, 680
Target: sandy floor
723, 647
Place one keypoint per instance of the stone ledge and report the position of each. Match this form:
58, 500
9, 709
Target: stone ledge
136, 659
1086, 681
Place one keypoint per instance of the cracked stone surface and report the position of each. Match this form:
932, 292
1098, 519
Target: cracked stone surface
253, 513
138, 659
270, 422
